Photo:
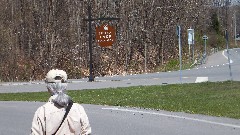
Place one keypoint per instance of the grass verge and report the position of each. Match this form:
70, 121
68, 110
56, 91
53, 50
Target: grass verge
216, 99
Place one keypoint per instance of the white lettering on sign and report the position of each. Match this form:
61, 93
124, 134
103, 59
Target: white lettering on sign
104, 40
105, 36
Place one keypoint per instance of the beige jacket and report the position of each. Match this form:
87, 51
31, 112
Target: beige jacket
48, 117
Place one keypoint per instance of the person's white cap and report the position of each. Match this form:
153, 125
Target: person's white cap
55, 75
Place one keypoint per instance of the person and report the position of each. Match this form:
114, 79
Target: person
59, 115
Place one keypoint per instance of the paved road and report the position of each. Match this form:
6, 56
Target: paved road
216, 69
16, 117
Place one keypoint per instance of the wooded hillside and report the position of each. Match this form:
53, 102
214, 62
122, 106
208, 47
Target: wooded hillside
38, 35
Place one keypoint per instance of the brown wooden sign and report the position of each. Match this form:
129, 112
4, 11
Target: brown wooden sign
105, 35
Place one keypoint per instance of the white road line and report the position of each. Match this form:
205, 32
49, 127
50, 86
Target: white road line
231, 61
174, 116
201, 79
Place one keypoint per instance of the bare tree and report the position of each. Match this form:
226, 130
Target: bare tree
37, 35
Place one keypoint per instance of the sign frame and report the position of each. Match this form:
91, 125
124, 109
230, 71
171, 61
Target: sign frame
190, 36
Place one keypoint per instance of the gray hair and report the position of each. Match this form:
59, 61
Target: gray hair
58, 88
56, 81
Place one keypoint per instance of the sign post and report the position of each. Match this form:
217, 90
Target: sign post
205, 38
191, 42
180, 51
229, 62
90, 19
